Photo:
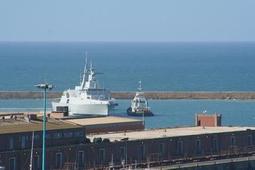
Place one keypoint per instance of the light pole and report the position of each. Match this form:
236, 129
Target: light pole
44, 87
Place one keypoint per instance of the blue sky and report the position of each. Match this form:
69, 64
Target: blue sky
129, 20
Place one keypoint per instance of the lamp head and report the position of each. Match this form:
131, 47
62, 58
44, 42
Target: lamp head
44, 86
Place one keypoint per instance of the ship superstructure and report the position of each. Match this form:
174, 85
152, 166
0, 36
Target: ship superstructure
139, 104
87, 98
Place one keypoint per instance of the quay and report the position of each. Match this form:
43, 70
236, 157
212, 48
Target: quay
156, 95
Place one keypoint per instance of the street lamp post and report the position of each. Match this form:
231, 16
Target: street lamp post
44, 87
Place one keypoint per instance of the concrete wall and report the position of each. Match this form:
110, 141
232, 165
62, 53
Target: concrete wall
130, 95
114, 127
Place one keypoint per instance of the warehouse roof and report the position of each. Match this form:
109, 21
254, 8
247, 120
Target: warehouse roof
21, 125
168, 132
102, 120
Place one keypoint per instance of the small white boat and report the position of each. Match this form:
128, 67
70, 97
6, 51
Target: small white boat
87, 98
139, 105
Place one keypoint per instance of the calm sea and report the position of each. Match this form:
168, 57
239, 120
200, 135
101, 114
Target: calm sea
160, 66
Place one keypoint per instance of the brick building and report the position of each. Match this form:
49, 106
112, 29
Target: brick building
203, 119
16, 141
172, 145
68, 146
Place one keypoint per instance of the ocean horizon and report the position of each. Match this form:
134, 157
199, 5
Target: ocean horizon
161, 66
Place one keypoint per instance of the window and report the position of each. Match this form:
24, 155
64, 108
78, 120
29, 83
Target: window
11, 143
59, 160
23, 142
233, 140
57, 135
48, 135
68, 134
80, 159
36, 162
12, 163
37, 137
214, 144
78, 134
122, 153
198, 146
141, 151
250, 140
161, 148
179, 147
101, 155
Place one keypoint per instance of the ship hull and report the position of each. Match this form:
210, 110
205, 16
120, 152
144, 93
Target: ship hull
139, 114
84, 109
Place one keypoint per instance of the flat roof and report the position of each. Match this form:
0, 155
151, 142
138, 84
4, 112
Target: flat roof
168, 132
101, 120
20, 125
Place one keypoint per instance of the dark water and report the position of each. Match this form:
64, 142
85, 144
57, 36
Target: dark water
160, 66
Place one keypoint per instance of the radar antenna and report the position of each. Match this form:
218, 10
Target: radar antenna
86, 62
140, 86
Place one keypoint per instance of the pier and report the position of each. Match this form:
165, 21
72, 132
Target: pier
161, 95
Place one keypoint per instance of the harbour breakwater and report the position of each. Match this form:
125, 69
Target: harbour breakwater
161, 95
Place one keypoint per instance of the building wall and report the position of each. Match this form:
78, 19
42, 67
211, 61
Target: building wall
208, 120
53, 138
18, 146
114, 127
102, 154
167, 148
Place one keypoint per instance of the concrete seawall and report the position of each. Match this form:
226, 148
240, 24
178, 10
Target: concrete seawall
128, 95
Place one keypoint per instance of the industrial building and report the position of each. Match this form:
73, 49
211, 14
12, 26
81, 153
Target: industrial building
69, 146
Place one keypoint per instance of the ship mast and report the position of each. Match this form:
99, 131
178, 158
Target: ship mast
139, 92
140, 86
84, 77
